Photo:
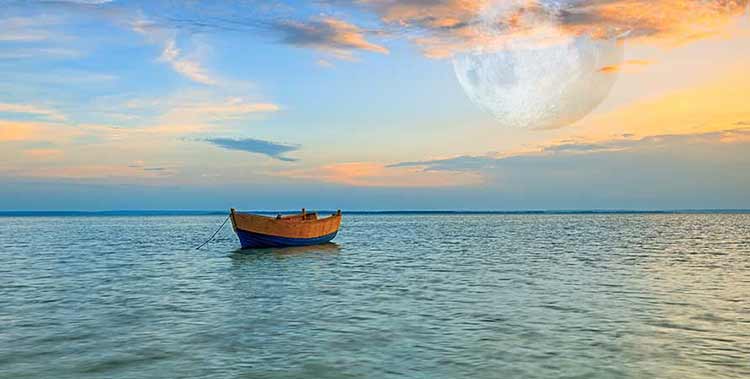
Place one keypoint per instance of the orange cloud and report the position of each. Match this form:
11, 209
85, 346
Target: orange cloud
662, 21
32, 110
370, 174
431, 14
330, 35
16, 131
29, 131
458, 25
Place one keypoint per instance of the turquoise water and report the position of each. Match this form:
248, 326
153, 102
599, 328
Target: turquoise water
418, 296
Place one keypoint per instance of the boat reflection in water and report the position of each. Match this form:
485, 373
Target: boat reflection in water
303, 229
280, 252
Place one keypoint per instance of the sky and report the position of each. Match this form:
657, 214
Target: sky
375, 104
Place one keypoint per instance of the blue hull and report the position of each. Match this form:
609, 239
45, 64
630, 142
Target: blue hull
250, 240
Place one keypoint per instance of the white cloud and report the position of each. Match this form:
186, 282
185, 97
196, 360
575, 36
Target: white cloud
41, 52
187, 66
34, 110
25, 29
190, 68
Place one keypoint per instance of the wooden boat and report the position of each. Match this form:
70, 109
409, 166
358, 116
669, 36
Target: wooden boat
303, 229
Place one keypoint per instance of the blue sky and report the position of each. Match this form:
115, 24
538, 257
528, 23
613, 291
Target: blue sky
357, 105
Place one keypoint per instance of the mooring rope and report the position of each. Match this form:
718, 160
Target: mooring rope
215, 233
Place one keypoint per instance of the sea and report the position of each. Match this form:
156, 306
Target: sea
402, 295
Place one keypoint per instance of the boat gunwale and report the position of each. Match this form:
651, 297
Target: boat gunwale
288, 220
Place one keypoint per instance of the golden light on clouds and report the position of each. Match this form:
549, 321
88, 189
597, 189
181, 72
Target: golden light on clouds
16, 131
663, 21
716, 105
459, 25
372, 174
329, 35
34, 110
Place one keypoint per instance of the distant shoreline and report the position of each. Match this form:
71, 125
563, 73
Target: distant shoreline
143, 213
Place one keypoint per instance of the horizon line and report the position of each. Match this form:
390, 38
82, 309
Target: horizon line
210, 212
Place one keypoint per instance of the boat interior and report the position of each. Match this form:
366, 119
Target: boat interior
298, 217
303, 216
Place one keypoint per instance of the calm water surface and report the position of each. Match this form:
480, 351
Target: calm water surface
439, 296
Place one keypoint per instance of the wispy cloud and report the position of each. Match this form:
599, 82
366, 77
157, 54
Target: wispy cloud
329, 35
28, 34
251, 145
25, 131
35, 53
34, 38
33, 110
88, 172
373, 174
324, 63
555, 151
190, 68
142, 165
187, 66
458, 164
227, 109
194, 110
26, 29
665, 171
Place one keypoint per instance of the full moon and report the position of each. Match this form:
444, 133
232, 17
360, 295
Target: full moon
539, 82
